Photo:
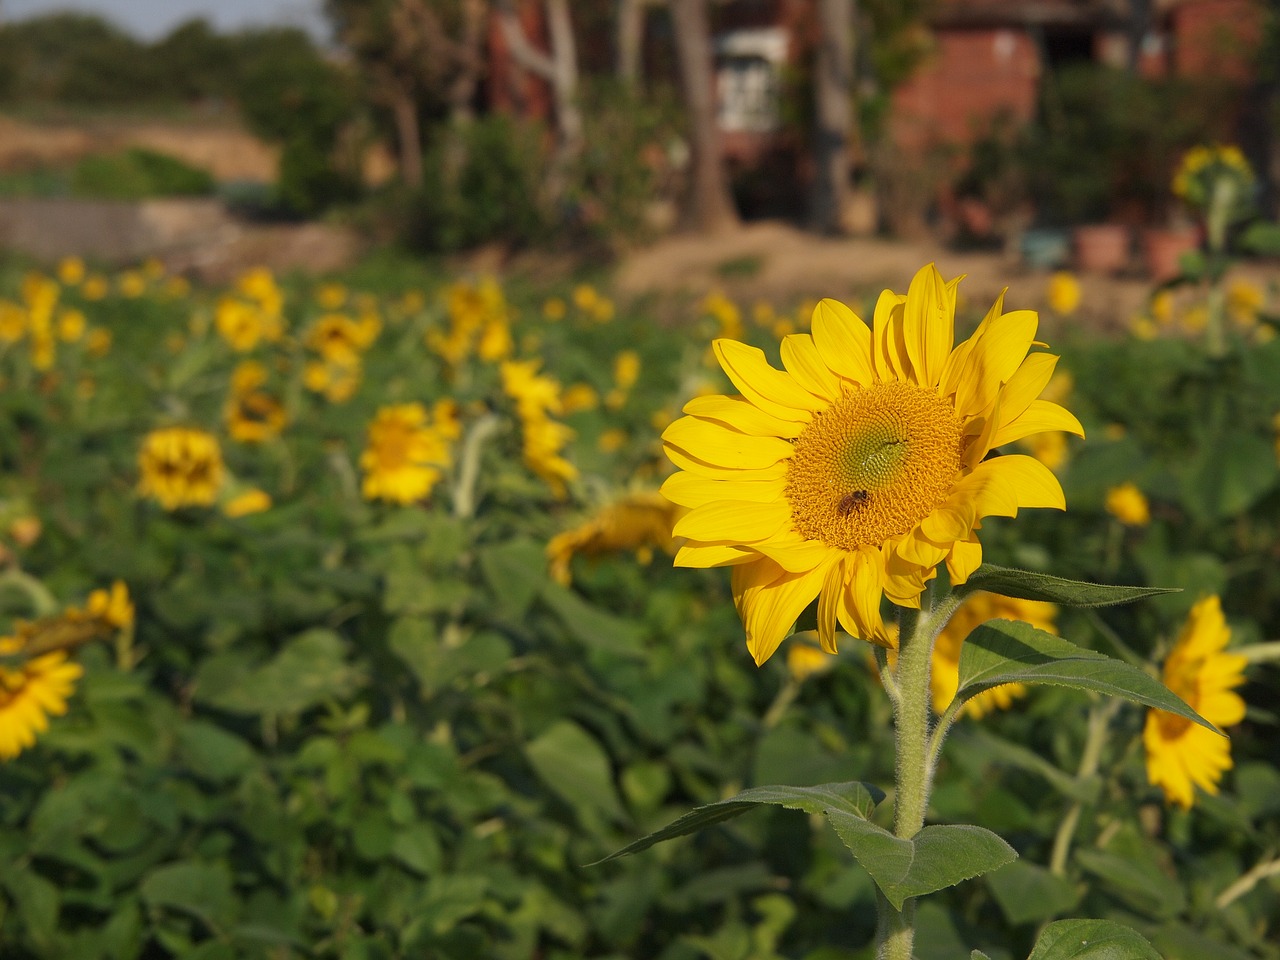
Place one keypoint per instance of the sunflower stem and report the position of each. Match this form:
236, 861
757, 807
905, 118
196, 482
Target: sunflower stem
1100, 717
916, 632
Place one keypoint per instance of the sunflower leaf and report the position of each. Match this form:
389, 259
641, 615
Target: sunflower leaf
939, 856
1008, 651
852, 799
1029, 585
1091, 940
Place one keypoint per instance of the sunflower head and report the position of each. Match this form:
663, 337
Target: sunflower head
868, 460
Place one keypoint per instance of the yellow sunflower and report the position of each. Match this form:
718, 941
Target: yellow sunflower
850, 475
637, 522
1182, 755
180, 467
405, 456
31, 692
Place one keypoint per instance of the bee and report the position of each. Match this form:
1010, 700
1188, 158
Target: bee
851, 501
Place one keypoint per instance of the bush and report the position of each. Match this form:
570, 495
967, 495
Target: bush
137, 174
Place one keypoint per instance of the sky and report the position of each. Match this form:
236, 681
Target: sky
150, 19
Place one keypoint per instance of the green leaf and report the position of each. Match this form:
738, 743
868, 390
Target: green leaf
1008, 651
978, 955
996, 749
1262, 238
37, 903
1028, 585
939, 856
1232, 471
1027, 892
212, 753
573, 764
418, 848
857, 800
1091, 940
515, 572
203, 890
591, 626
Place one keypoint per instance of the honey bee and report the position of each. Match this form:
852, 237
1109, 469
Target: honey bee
851, 501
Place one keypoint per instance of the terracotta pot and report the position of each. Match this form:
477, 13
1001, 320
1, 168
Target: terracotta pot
1162, 250
1102, 247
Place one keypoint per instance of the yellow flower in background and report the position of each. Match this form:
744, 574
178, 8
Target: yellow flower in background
238, 323
1129, 505
254, 416
1201, 165
71, 271
763, 314
537, 397
152, 268
1063, 293
1162, 305
784, 327
177, 287
626, 369
336, 380
30, 693
112, 607
247, 503
180, 467
585, 297
1182, 755
611, 440
805, 658
636, 522
661, 418
13, 322
850, 475
495, 341
132, 284
554, 309
71, 326
331, 296
405, 457
1143, 328
1244, 302
977, 609
336, 337
603, 311
1049, 448
579, 397
725, 313
95, 287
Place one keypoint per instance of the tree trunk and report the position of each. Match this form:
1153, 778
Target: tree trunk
559, 68
462, 90
833, 92
405, 110
712, 207
630, 41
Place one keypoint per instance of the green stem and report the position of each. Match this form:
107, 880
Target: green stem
1100, 717
464, 492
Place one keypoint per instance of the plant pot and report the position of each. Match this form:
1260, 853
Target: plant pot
1102, 247
1162, 250
1045, 248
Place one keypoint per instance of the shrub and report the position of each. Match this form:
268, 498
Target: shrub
136, 174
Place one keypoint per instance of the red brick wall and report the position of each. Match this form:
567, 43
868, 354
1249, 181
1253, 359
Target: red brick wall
972, 76
1217, 38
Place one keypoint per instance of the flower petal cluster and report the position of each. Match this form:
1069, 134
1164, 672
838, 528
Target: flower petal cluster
479, 322
253, 415
863, 464
635, 521
30, 693
408, 452
253, 314
1182, 755
180, 467
538, 398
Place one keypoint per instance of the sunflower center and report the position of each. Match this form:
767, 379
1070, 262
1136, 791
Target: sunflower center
873, 465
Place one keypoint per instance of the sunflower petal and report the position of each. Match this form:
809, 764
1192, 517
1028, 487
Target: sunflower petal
771, 390
741, 414
1026, 384
691, 490
769, 611
888, 353
829, 603
996, 354
844, 341
965, 557
1033, 482
1039, 417
928, 322
703, 555
792, 552
736, 521
957, 363
696, 465
801, 358
725, 446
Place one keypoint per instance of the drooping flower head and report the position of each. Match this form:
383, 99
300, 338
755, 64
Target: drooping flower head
180, 467
635, 522
1182, 755
851, 474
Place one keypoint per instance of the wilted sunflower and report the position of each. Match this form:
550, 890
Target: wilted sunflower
180, 467
1182, 755
30, 692
853, 473
636, 521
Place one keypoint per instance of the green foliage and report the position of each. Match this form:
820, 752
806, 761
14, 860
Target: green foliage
137, 174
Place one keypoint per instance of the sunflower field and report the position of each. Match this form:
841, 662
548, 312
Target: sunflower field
339, 619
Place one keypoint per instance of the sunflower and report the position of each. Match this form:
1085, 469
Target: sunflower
180, 467
405, 456
30, 692
637, 522
853, 473
1182, 754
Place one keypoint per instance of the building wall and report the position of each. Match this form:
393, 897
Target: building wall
1216, 38
972, 76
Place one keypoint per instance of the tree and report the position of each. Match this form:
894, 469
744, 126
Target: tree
833, 92
559, 68
712, 208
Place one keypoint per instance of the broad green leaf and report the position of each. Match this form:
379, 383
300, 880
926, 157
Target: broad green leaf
203, 890
37, 903
592, 627
212, 753
1028, 585
1233, 469
1262, 238
939, 856
573, 764
1132, 874
1027, 892
1091, 940
996, 749
978, 955
1008, 651
515, 572
856, 800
